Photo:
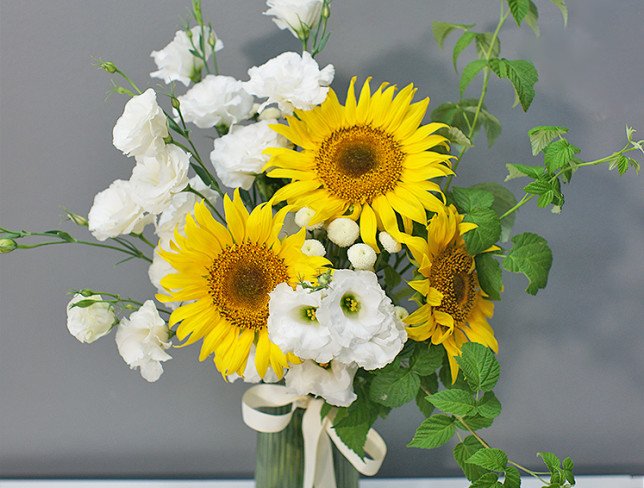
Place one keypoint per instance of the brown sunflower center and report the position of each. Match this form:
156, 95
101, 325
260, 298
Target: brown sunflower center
454, 275
239, 281
359, 163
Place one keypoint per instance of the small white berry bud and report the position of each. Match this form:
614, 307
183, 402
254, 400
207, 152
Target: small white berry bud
400, 313
313, 247
362, 256
343, 232
390, 244
303, 216
270, 113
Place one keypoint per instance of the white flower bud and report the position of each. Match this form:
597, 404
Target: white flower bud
400, 313
343, 231
390, 244
313, 247
362, 256
89, 322
303, 216
270, 113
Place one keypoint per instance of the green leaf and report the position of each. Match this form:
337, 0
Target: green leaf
456, 402
492, 126
324, 411
468, 199
353, 423
392, 278
488, 480
486, 234
488, 271
469, 73
550, 460
542, 135
456, 136
532, 19
483, 41
521, 170
563, 8
531, 256
489, 458
504, 200
522, 74
558, 154
428, 383
442, 29
394, 388
61, 235
538, 187
479, 365
463, 42
568, 464
463, 451
475, 422
426, 359
512, 478
433, 432
519, 9
488, 406
85, 303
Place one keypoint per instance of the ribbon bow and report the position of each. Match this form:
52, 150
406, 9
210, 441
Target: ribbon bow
318, 433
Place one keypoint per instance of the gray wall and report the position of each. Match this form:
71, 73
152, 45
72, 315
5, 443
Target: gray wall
572, 356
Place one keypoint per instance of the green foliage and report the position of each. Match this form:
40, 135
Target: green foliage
489, 275
442, 29
488, 480
504, 200
487, 232
560, 475
542, 135
532, 19
521, 170
470, 71
519, 9
430, 384
489, 406
463, 42
426, 359
461, 115
530, 255
352, 423
558, 154
563, 8
522, 74
480, 367
456, 402
433, 432
483, 43
489, 458
394, 388
512, 477
463, 451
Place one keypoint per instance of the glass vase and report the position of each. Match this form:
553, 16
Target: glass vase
280, 457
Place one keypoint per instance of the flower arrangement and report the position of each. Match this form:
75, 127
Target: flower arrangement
343, 265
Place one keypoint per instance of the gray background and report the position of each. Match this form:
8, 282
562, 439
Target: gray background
572, 356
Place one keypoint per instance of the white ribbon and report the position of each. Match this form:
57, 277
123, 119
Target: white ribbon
318, 433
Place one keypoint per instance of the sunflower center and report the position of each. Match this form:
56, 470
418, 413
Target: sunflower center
454, 275
359, 163
239, 281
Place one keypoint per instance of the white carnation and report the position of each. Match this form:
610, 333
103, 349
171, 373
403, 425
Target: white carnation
298, 16
239, 155
89, 323
334, 384
156, 179
114, 212
343, 231
313, 247
175, 62
142, 127
390, 244
303, 216
290, 80
360, 317
216, 100
142, 340
293, 326
362, 256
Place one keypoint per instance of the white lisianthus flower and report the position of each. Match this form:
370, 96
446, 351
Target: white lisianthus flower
313, 247
343, 231
158, 270
293, 325
155, 180
181, 205
269, 113
334, 384
400, 313
176, 62
89, 323
114, 212
239, 155
216, 100
362, 256
142, 340
250, 373
142, 127
360, 317
290, 80
303, 216
390, 244
298, 16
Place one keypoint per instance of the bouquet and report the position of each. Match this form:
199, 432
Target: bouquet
323, 249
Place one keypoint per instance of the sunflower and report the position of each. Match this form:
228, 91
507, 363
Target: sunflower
224, 277
455, 309
368, 160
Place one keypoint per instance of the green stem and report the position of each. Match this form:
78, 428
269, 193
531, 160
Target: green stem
86, 243
131, 83
190, 189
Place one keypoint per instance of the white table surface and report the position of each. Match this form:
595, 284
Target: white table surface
582, 482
